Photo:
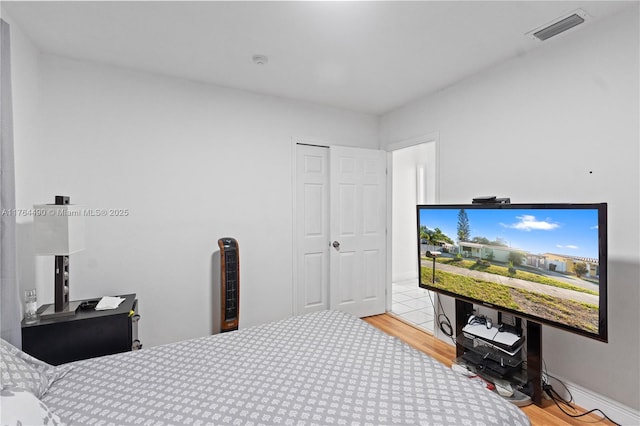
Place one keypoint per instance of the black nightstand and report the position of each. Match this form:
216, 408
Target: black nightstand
87, 334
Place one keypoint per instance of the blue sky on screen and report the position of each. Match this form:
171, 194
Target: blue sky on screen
572, 232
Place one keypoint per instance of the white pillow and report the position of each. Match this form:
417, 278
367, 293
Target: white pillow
22, 371
20, 407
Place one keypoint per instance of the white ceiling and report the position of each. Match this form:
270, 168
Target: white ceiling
364, 56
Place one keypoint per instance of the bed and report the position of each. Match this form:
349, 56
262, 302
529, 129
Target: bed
322, 368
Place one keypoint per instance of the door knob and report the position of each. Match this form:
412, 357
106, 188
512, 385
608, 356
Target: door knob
336, 245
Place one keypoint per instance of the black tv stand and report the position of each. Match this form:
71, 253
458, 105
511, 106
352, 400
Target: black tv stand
534, 348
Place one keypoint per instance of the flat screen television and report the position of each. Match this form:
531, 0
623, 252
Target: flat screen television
543, 262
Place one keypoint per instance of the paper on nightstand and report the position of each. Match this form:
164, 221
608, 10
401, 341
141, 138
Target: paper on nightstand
109, 302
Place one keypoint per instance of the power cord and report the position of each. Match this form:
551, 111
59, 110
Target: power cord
558, 399
443, 320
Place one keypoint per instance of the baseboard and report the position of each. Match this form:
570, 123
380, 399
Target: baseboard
589, 400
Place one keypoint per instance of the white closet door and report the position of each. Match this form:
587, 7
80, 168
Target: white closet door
358, 230
311, 287
340, 230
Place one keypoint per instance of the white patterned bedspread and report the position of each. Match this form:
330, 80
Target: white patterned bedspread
323, 368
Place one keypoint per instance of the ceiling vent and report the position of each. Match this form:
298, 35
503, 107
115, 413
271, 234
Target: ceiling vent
559, 25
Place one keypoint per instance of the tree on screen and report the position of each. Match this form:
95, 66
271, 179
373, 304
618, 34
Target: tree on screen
464, 231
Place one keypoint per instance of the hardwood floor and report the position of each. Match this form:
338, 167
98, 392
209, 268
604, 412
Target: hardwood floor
548, 414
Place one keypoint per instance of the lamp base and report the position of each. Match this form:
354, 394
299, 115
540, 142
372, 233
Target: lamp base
51, 313
61, 277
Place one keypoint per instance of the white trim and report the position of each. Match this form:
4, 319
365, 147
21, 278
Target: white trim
405, 143
389, 230
294, 244
426, 138
433, 137
589, 400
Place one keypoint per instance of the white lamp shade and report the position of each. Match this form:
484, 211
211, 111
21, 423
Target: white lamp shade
59, 230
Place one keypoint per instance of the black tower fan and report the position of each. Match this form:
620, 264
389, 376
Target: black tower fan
229, 284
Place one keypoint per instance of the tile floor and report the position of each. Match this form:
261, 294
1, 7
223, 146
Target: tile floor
412, 304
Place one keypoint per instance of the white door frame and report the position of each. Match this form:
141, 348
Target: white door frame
406, 143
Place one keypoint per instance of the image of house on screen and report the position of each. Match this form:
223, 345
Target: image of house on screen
567, 264
553, 262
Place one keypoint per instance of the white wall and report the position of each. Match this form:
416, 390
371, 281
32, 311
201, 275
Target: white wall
191, 163
560, 124
25, 72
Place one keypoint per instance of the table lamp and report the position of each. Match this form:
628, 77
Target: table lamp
58, 230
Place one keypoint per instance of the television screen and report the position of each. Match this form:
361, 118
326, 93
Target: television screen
542, 262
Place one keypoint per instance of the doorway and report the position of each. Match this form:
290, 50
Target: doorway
413, 181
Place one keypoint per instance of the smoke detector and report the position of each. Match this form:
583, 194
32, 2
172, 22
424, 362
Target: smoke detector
559, 25
260, 59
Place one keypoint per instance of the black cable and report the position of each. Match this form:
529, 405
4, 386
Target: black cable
563, 385
495, 335
545, 374
444, 324
555, 396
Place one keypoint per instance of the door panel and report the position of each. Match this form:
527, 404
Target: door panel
371, 261
346, 216
313, 281
311, 229
345, 267
358, 224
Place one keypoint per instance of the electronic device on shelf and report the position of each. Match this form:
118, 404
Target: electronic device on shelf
483, 330
88, 305
483, 363
515, 389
